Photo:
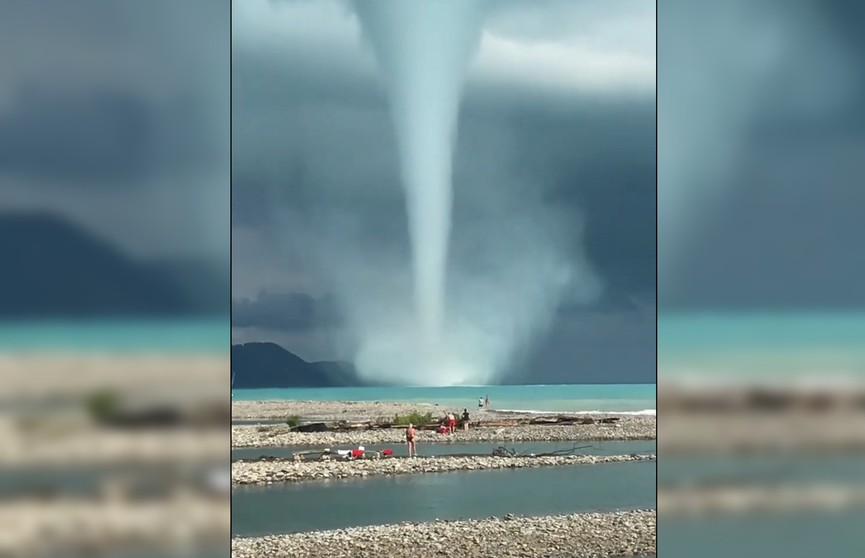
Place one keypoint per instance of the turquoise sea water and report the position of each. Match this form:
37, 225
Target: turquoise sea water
776, 346
117, 336
767, 332
631, 398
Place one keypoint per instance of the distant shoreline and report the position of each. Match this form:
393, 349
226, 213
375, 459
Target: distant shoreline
353, 410
619, 399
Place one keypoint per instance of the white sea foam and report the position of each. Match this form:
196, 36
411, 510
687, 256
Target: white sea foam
644, 412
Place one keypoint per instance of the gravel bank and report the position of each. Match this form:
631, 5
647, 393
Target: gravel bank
71, 445
88, 527
630, 427
761, 432
332, 410
268, 472
591, 535
713, 501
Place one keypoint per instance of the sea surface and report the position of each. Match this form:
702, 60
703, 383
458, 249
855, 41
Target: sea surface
164, 336
627, 398
737, 347
316, 505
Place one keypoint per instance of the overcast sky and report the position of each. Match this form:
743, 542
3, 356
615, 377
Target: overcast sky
555, 158
115, 115
761, 155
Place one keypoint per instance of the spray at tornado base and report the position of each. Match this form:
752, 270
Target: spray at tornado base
481, 292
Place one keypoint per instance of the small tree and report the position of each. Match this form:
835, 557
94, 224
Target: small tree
413, 418
293, 421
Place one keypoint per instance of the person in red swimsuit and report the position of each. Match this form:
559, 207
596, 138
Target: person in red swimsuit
452, 423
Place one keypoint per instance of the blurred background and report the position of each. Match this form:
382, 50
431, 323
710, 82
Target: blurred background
761, 333
114, 278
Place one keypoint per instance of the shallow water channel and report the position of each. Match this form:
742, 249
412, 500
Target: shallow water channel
486, 448
333, 504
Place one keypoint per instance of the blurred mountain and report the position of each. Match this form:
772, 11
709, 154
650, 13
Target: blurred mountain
267, 365
52, 269
204, 285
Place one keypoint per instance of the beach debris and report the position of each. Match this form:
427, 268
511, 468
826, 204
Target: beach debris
502, 451
348, 426
312, 427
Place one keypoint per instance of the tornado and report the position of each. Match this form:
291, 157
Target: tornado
422, 49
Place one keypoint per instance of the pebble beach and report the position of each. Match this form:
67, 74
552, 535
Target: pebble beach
269, 472
483, 429
590, 535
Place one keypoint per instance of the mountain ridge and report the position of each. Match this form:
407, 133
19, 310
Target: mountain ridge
54, 269
263, 364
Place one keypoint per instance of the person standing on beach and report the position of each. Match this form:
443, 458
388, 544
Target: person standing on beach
410, 440
466, 420
487, 402
480, 402
452, 423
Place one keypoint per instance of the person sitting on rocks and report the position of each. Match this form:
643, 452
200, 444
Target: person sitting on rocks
410, 435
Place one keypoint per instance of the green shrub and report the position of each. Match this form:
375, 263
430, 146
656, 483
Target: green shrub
293, 421
102, 405
413, 418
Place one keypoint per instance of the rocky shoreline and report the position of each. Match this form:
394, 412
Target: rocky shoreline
76, 526
595, 535
627, 428
268, 472
731, 500
65, 445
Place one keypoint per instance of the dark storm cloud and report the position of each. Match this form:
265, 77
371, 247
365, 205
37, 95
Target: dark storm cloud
602, 164
97, 138
782, 239
115, 115
607, 347
779, 239
284, 312
315, 164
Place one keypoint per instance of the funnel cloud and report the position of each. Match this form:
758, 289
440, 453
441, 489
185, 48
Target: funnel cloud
423, 49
